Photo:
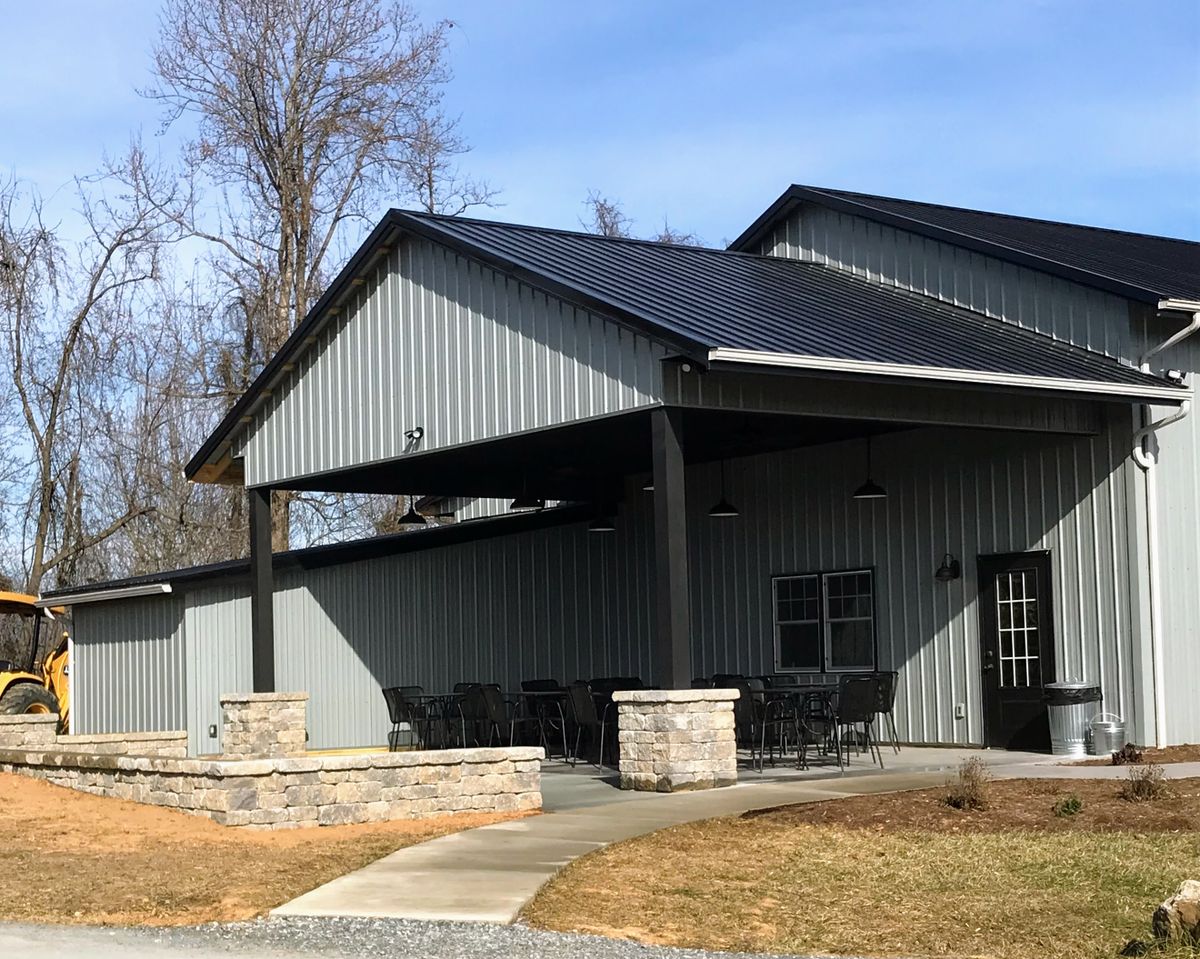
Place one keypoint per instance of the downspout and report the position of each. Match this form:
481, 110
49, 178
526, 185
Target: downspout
1146, 457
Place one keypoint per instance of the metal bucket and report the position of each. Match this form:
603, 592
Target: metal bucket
1069, 706
1107, 734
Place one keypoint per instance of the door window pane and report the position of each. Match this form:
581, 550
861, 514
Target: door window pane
1017, 627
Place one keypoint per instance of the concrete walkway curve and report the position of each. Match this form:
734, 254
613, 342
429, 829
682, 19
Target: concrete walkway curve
488, 874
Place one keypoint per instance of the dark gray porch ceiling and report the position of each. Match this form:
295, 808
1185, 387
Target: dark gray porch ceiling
588, 460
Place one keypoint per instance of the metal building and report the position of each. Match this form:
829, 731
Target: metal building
955, 444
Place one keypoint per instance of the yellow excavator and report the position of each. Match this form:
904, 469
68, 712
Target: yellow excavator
30, 686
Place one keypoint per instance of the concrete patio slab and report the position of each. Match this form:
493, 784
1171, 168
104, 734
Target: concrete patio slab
488, 874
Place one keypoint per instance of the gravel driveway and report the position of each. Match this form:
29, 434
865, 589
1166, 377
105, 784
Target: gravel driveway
333, 938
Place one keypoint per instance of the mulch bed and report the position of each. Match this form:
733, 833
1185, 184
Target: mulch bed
1187, 753
1025, 804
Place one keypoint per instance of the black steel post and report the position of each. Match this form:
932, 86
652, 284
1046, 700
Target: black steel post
673, 652
262, 591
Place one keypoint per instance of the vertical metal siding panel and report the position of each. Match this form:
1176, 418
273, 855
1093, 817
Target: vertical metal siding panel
129, 673
1178, 479
1067, 311
960, 491
423, 323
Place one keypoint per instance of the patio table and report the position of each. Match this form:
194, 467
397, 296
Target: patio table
541, 701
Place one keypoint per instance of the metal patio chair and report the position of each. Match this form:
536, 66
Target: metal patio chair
858, 697
885, 706
587, 719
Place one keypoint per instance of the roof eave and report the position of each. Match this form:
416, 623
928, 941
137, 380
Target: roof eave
211, 461
1095, 389
796, 195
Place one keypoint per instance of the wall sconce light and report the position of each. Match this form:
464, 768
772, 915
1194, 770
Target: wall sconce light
950, 569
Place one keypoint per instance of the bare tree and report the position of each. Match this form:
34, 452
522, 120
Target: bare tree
309, 111
67, 310
607, 218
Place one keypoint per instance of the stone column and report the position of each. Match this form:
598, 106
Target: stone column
676, 739
263, 724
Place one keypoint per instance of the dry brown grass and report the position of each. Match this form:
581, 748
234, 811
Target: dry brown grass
899, 874
74, 858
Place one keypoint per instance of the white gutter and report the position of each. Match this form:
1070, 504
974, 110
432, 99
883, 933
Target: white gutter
1170, 394
100, 595
1145, 456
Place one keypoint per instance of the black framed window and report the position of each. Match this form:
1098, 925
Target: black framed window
825, 622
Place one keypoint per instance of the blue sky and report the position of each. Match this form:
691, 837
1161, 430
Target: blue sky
1081, 110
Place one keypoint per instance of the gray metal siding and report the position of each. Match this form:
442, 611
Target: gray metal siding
963, 492
436, 340
794, 393
557, 602
1178, 481
129, 666
217, 624
1067, 311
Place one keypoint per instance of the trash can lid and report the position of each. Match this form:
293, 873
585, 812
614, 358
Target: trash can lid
1064, 694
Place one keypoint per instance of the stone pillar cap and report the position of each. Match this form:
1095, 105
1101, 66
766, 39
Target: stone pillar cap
675, 695
261, 697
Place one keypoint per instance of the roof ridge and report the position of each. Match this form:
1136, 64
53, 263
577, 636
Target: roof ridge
583, 234
857, 196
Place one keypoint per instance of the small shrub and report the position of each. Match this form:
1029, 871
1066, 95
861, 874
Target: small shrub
1127, 755
968, 790
1145, 784
1067, 806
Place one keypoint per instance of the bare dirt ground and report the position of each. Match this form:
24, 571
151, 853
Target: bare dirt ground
75, 858
1187, 753
896, 875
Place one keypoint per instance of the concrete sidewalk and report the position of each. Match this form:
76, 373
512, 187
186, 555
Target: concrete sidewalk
488, 874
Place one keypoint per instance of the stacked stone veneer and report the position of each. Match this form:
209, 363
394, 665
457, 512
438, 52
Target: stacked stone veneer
287, 792
40, 731
264, 724
676, 739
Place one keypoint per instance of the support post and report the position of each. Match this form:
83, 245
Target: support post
673, 652
262, 592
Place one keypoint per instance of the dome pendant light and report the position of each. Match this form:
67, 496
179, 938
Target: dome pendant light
411, 517
723, 509
525, 501
870, 489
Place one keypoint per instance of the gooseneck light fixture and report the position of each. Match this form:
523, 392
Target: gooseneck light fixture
870, 489
950, 569
723, 509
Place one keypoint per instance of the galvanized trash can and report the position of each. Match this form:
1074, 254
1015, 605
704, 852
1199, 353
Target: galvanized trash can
1107, 734
1070, 707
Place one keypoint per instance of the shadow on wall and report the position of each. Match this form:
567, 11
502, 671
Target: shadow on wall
555, 603
967, 492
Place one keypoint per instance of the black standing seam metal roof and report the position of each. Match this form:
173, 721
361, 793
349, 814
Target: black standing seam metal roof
723, 299
694, 299
1137, 265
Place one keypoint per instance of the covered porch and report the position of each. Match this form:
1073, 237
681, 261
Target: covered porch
645, 576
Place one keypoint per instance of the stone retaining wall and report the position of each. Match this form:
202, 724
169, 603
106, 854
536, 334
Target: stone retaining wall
264, 724
676, 739
40, 732
290, 792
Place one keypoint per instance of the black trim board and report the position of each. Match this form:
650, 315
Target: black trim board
334, 554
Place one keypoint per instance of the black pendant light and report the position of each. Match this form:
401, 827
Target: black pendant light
870, 489
723, 509
526, 502
602, 524
411, 517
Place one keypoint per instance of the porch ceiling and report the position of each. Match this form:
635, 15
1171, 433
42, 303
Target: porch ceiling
588, 459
